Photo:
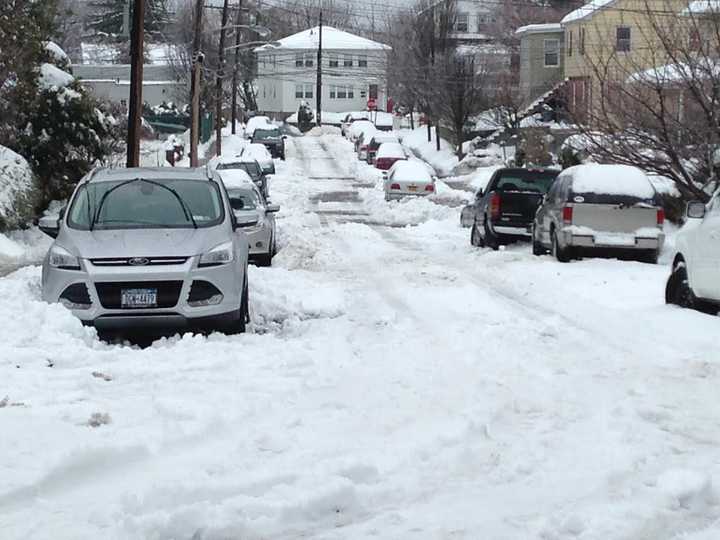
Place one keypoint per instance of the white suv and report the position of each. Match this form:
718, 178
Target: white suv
694, 282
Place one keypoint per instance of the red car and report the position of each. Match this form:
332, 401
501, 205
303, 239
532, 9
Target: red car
387, 154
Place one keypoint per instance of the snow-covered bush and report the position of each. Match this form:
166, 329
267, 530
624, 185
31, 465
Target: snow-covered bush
19, 192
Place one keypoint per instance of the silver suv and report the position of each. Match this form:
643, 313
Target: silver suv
149, 248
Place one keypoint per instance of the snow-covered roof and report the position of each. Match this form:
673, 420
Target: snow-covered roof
411, 170
610, 180
670, 73
585, 11
332, 38
54, 76
235, 178
390, 149
539, 28
702, 7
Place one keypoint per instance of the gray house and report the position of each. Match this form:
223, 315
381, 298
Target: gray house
542, 56
112, 82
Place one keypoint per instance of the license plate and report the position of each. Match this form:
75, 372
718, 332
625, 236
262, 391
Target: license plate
412, 188
138, 298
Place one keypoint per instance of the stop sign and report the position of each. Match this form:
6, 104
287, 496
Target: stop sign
371, 104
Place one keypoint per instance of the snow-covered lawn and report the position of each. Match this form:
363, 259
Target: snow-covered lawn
396, 383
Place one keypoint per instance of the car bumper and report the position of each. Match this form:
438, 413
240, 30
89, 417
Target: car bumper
106, 313
517, 231
614, 242
396, 195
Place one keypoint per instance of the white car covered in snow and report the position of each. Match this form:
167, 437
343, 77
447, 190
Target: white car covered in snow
408, 178
694, 282
262, 155
597, 208
254, 123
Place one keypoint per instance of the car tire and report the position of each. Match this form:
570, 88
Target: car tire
537, 247
475, 238
240, 325
489, 239
560, 253
679, 292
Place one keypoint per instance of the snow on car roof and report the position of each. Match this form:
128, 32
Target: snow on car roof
235, 178
390, 149
360, 126
610, 180
255, 149
414, 170
384, 136
332, 38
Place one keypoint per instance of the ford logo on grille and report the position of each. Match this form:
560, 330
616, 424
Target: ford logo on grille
138, 261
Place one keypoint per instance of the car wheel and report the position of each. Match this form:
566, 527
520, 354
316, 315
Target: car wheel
560, 253
537, 247
239, 326
679, 293
475, 238
489, 239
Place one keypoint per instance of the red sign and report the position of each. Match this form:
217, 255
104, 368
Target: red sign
371, 104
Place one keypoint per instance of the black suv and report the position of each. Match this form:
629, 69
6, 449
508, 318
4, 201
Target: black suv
273, 140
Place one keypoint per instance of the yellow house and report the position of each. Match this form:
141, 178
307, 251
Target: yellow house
607, 41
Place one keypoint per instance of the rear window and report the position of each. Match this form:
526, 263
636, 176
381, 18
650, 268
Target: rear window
606, 198
526, 180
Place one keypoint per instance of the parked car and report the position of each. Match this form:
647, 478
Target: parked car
146, 248
504, 211
363, 141
357, 128
374, 143
693, 280
383, 120
408, 178
246, 163
258, 152
272, 139
256, 122
388, 154
350, 118
600, 208
255, 216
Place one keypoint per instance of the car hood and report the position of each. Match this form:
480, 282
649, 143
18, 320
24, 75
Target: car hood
142, 242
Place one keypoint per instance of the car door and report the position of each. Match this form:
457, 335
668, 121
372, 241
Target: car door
704, 263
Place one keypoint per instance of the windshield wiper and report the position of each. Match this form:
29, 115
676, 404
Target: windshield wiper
183, 205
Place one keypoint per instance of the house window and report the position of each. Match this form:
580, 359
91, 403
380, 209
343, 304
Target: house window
333, 92
341, 92
309, 59
351, 92
308, 91
299, 60
622, 38
348, 61
362, 61
570, 43
582, 41
333, 62
552, 52
461, 22
363, 94
298, 91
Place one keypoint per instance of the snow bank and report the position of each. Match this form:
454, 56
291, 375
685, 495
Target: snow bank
610, 180
443, 161
52, 76
318, 131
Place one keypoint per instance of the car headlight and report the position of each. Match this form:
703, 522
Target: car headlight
59, 257
218, 255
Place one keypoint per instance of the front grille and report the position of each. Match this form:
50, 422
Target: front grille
77, 294
109, 293
126, 261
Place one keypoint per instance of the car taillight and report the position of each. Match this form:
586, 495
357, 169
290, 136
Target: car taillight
394, 186
430, 187
567, 215
495, 206
660, 217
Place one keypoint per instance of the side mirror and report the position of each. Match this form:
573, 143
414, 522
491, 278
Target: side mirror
695, 210
244, 221
272, 208
480, 193
50, 225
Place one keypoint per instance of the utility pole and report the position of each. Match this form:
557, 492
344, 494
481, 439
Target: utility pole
238, 37
219, 81
136, 77
318, 86
195, 87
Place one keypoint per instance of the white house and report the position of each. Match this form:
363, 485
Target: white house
354, 70
473, 20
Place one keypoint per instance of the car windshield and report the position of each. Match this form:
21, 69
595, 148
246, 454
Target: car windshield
229, 166
263, 134
243, 199
146, 204
529, 181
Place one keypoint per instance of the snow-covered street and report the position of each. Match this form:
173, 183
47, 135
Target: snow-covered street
396, 383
